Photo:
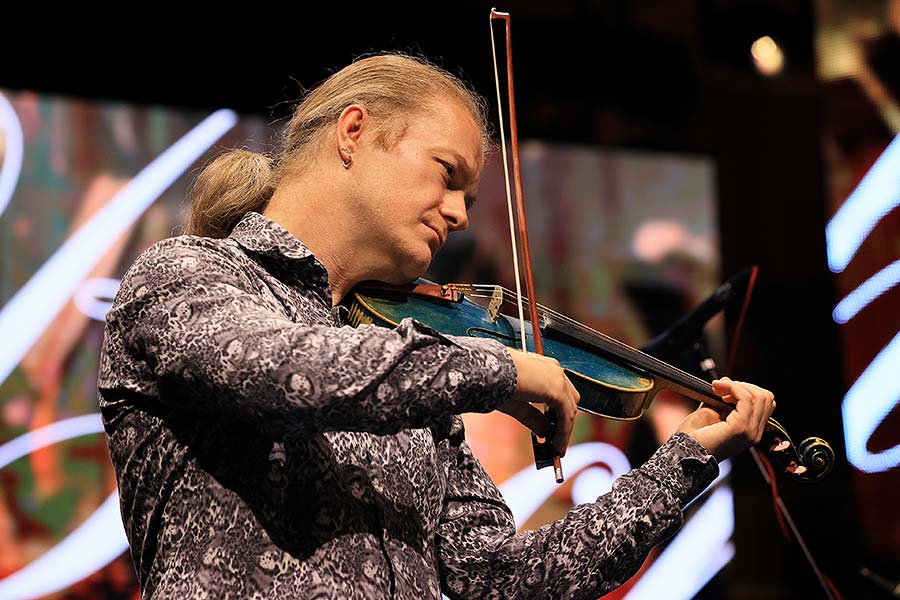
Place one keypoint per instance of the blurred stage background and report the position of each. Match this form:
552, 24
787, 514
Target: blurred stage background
668, 145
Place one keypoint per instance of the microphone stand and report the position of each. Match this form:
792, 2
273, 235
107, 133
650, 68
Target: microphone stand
688, 333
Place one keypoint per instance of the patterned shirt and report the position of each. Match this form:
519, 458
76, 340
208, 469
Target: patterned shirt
262, 450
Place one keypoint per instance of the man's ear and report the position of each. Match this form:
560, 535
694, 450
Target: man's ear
350, 125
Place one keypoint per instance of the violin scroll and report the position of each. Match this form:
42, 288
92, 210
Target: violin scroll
811, 461
817, 455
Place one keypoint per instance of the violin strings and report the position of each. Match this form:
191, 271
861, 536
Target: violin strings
673, 373
660, 365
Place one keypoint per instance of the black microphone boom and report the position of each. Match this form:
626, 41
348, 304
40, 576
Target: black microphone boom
687, 330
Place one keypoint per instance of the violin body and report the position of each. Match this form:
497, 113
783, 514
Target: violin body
614, 380
606, 388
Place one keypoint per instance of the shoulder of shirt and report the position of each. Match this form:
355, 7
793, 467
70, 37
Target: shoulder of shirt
189, 246
177, 257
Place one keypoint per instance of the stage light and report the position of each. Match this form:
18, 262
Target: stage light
767, 56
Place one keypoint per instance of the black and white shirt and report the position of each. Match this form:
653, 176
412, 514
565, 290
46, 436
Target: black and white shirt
262, 450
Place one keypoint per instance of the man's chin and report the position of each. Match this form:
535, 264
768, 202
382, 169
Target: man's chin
406, 274
416, 267
407, 267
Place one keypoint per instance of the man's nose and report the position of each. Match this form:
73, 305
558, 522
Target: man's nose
454, 210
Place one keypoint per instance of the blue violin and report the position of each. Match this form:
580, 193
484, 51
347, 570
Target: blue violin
614, 379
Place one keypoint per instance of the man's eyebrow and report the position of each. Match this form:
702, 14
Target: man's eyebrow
470, 175
462, 163
466, 167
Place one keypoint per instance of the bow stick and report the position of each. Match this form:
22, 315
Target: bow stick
545, 454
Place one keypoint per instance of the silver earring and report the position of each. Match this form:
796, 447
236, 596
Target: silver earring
349, 160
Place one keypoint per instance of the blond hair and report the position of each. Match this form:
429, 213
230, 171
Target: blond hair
390, 86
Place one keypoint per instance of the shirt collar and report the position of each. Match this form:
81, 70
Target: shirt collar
262, 236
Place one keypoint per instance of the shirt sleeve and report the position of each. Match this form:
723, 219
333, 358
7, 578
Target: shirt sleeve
190, 328
593, 549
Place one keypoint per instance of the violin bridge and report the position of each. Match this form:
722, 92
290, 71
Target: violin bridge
357, 317
496, 302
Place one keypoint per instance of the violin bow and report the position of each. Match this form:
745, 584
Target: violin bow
545, 454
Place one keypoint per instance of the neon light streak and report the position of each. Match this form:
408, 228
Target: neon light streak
100, 538
862, 296
11, 130
34, 306
877, 391
528, 489
89, 298
90, 547
865, 406
705, 537
47, 435
876, 195
702, 541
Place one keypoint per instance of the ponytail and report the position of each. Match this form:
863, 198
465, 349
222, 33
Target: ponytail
233, 184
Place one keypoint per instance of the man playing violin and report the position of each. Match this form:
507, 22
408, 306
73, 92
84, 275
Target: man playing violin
265, 449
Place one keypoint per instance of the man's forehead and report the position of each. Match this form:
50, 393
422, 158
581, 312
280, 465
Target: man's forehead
454, 121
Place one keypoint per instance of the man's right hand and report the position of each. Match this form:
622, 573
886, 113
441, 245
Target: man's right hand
541, 380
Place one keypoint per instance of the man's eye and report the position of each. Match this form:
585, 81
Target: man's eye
449, 168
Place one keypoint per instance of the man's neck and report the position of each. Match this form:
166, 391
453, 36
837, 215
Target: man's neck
325, 230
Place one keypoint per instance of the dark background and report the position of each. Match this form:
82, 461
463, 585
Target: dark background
672, 75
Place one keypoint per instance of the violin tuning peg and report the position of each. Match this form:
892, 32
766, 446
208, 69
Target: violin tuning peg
795, 469
781, 446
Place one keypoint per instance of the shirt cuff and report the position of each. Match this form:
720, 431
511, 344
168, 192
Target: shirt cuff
683, 466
